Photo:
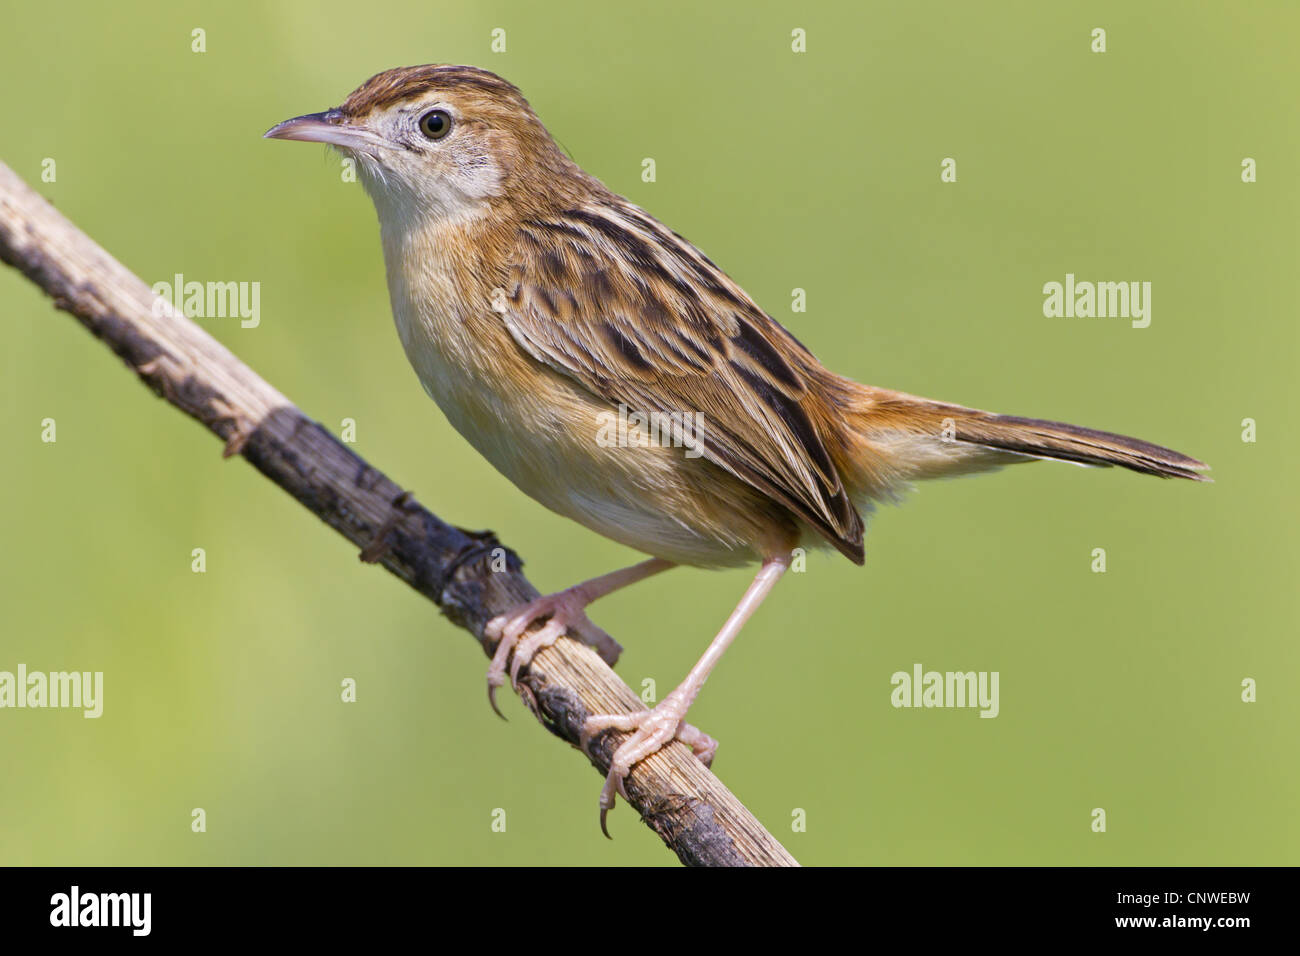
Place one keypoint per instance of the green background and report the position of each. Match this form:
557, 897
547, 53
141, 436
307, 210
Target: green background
818, 171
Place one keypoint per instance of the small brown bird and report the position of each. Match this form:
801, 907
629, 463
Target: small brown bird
615, 374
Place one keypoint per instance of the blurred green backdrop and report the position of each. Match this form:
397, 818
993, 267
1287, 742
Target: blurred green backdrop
816, 170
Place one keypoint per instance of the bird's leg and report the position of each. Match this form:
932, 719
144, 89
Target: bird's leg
652, 729
564, 608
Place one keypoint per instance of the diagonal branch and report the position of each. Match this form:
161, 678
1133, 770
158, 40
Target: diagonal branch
690, 809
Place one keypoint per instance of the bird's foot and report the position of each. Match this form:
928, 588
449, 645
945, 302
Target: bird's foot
651, 730
564, 608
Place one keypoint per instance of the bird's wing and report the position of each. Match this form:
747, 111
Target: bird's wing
610, 297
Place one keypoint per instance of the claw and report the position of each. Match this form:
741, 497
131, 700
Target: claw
650, 731
565, 609
496, 670
492, 699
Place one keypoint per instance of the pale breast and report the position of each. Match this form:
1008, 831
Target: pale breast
552, 438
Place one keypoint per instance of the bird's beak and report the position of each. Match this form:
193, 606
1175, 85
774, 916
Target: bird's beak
329, 127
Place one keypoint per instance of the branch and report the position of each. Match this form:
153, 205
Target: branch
690, 809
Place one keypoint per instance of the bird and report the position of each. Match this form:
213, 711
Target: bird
611, 371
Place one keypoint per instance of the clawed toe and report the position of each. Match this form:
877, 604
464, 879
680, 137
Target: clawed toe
530, 644
517, 647
651, 730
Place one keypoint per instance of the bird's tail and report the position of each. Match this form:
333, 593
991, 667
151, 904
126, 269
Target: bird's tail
896, 438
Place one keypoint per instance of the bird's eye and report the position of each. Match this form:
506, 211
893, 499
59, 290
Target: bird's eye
435, 124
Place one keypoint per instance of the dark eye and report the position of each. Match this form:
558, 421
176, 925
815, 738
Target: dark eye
435, 124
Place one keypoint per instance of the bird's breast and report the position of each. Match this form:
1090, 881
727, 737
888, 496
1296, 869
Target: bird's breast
542, 430
461, 351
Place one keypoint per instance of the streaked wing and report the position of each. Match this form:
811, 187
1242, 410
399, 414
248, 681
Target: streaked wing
614, 299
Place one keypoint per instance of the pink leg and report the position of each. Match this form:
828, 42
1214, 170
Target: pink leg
652, 729
564, 608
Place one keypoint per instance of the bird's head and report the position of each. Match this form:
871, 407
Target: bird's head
447, 142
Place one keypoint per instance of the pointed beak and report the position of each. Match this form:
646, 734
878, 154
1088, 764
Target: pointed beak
329, 127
